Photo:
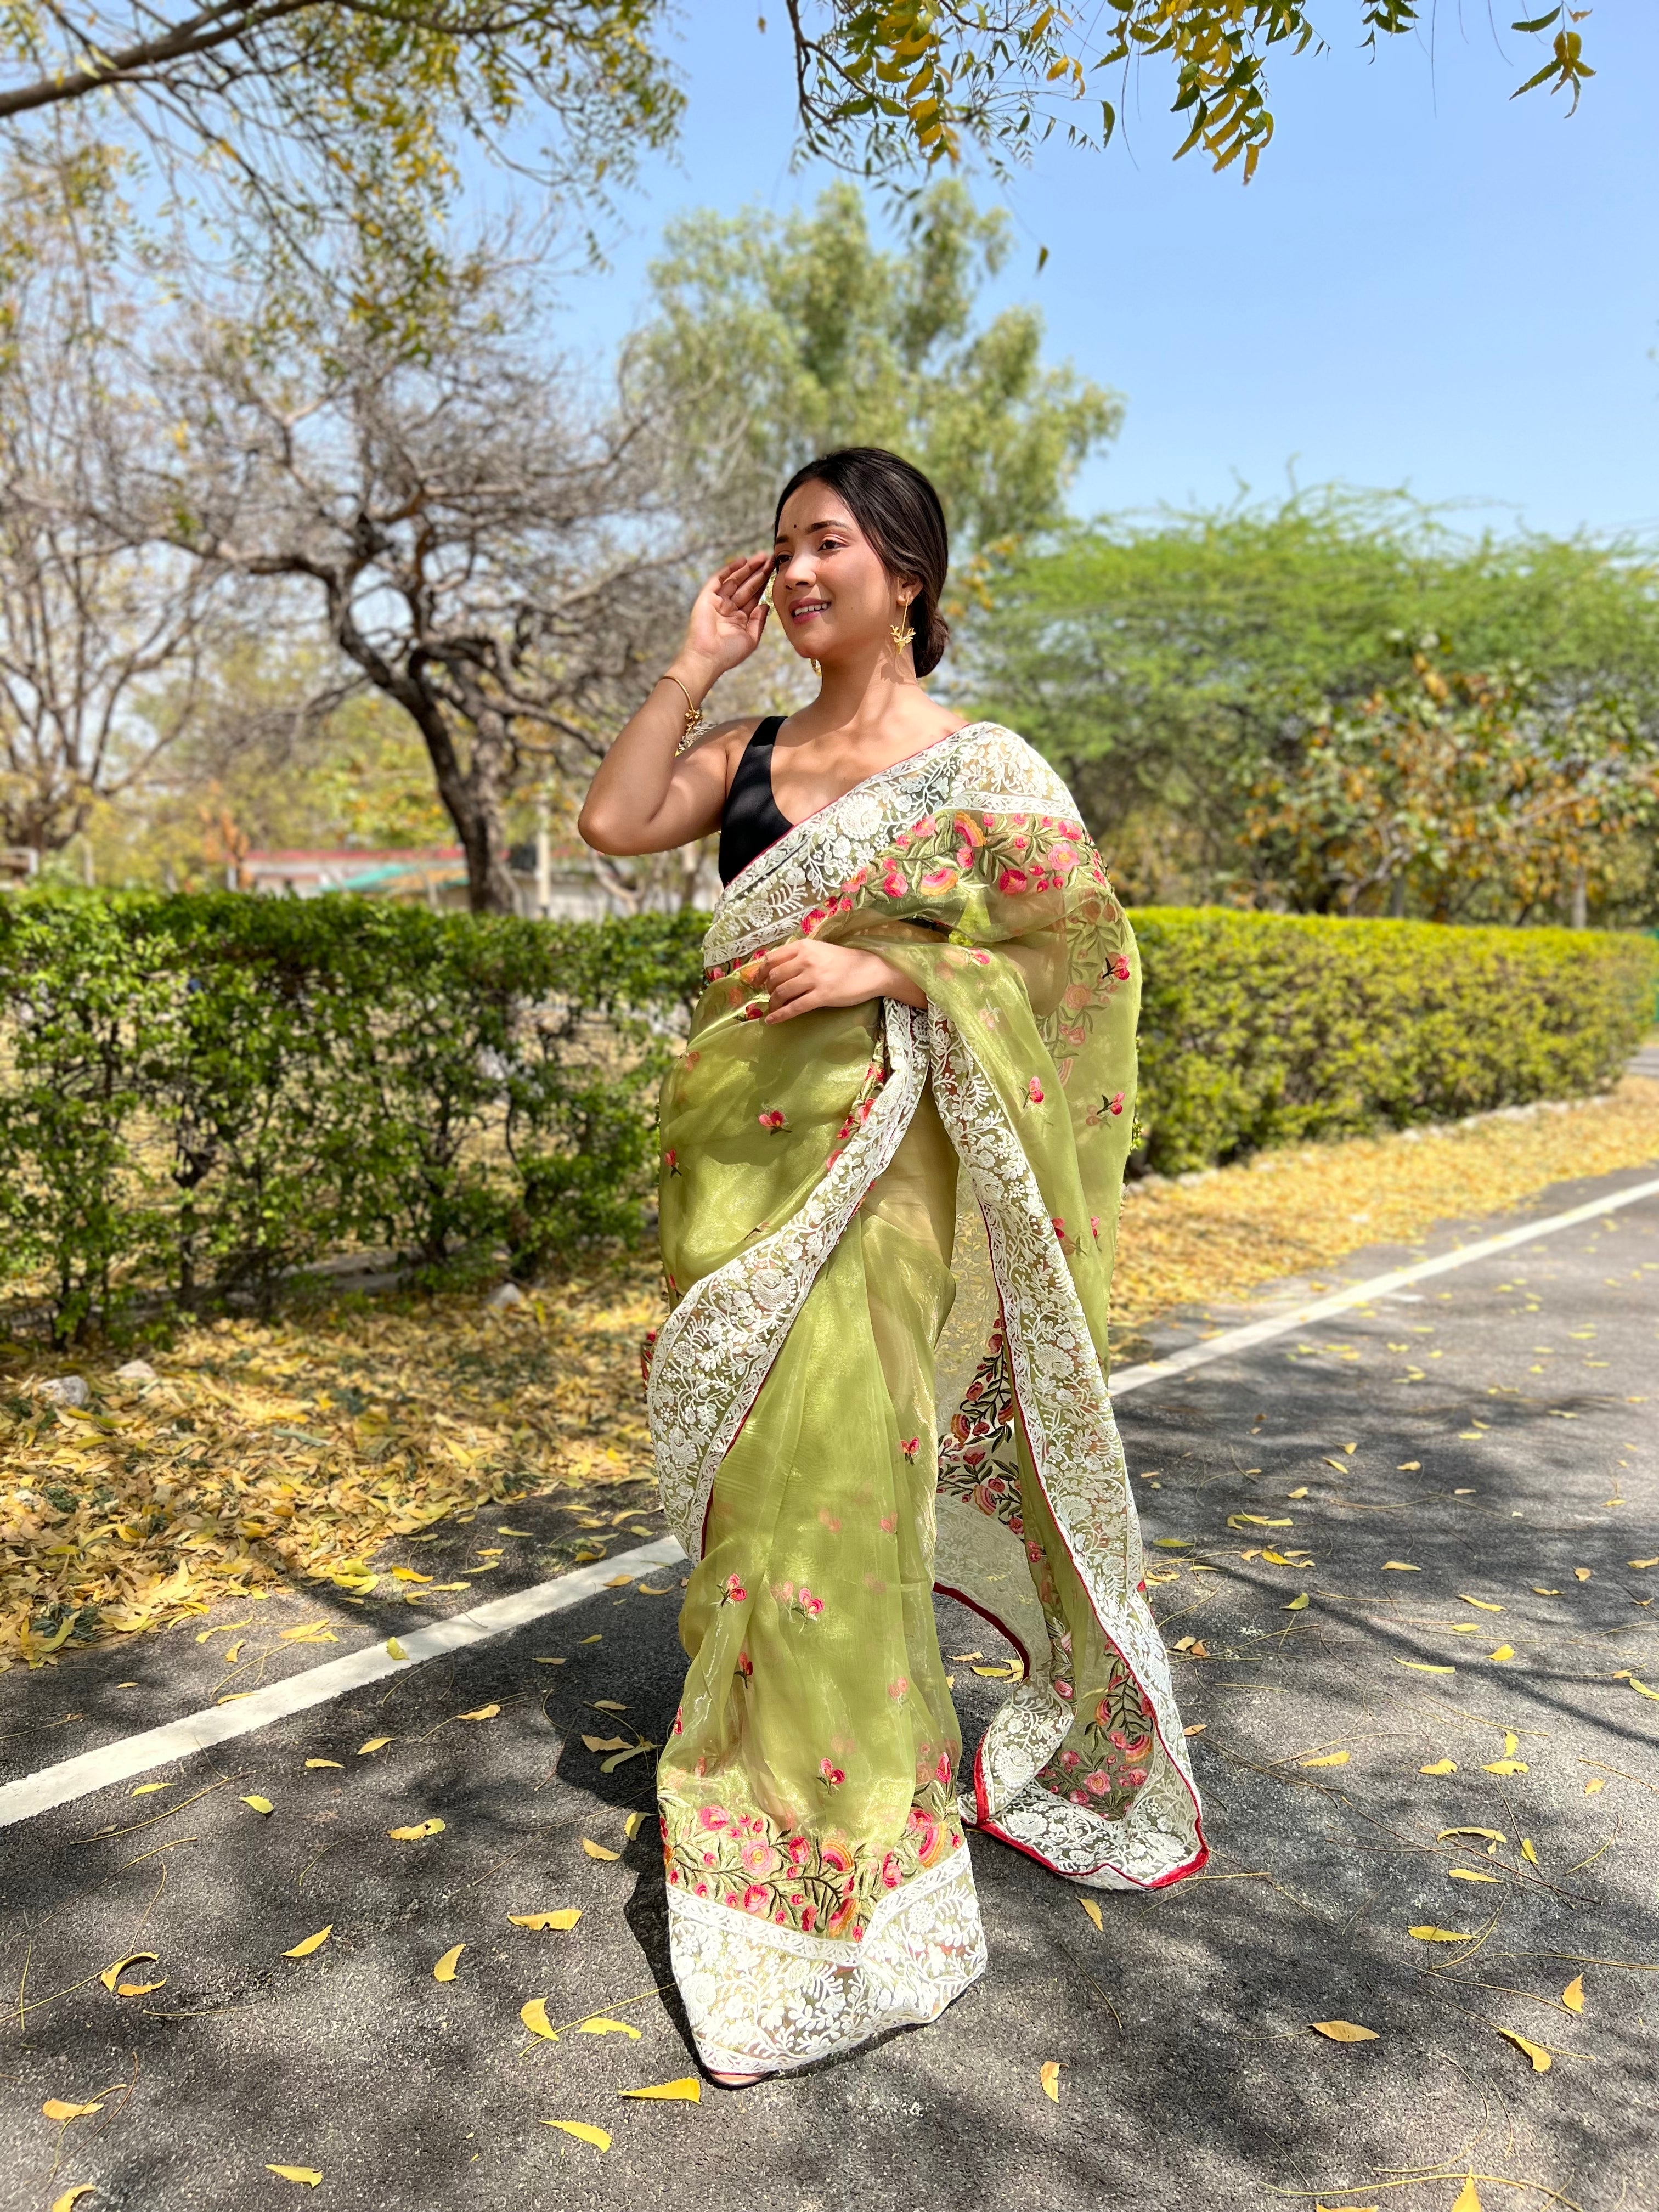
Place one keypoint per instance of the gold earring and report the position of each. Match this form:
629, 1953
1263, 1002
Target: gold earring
816, 671
901, 637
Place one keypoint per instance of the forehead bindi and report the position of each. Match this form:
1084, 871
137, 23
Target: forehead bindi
812, 510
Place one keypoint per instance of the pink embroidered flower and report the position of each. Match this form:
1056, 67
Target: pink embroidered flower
980, 959
810, 921
713, 1817
1079, 1796
745, 1665
798, 1850
1013, 883
910, 1446
1069, 1759
837, 1856
1134, 1776
783, 1592
942, 1771
752, 1011
832, 1774
772, 1117
703, 1889
811, 1605
1034, 1092
1121, 968
893, 884
1062, 1687
1034, 1552
734, 1593
896, 1689
889, 1871
670, 1160
1059, 1225
754, 1899
1094, 1226
679, 1721
889, 1524
944, 878
759, 1858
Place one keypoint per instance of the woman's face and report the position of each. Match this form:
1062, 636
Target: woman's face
829, 590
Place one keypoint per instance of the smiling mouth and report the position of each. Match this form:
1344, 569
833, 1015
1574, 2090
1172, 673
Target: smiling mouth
809, 607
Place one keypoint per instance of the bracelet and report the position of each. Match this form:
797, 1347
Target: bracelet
695, 722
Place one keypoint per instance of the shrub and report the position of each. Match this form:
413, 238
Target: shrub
1262, 1030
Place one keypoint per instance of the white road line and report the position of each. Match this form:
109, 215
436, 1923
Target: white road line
135, 1754
1262, 1332
118, 1762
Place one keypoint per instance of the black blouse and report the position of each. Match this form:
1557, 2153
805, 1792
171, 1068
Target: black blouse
751, 819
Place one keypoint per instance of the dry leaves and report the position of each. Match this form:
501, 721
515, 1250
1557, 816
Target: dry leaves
71, 2197
1343, 2031
584, 2132
599, 1850
566, 1916
57, 2108
1048, 2074
1535, 2052
1093, 1911
1573, 1996
311, 1943
445, 1969
688, 2090
307, 2174
259, 1804
111, 1975
1431, 1934
534, 2016
416, 1832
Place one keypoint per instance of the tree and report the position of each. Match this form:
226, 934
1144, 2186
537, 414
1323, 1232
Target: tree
1463, 794
808, 334
1166, 664
95, 627
496, 555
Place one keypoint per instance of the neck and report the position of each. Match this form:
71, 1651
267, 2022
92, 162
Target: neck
857, 690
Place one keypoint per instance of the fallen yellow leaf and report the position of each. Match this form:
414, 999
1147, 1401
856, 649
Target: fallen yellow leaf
1486, 1835
409, 1575
259, 1804
1643, 1687
582, 2131
1470, 1874
111, 1975
1468, 2200
149, 1789
1343, 2031
1504, 1651
445, 1969
1485, 1604
1423, 1667
1329, 1759
314, 1631
1431, 1934
1527, 1852
1582, 1574
482, 1713
605, 1743
601, 2026
1297, 1604
1538, 1591
1298, 1493
71, 2197
394, 1650
597, 1851
633, 1823
608, 1705
1410, 1466
414, 1833
566, 1916
55, 2108
322, 1762
1440, 1766
1257, 1520
534, 2016
139, 1989
1401, 1567
587, 1639
1639, 1564
308, 2174
1048, 2074
1535, 2052
1595, 1783
374, 1743
688, 2090
1093, 1911
619, 1582
514, 1531
312, 1943
1573, 1996
1506, 1767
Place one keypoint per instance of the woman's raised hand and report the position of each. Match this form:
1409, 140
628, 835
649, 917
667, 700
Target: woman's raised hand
729, 614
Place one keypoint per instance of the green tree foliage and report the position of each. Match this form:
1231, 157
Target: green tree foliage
779, 336
1169, 665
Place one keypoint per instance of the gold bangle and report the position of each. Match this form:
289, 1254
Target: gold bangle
694, 722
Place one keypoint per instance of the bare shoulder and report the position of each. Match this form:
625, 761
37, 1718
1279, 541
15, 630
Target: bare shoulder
719, 749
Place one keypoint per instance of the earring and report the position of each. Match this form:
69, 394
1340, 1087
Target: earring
816, 671
901, 637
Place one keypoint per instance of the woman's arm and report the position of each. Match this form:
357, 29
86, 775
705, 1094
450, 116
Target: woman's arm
644, 798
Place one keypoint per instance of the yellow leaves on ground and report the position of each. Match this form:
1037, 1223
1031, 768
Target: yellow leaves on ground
1467, 2198
1573, 1996
1048, 2074
590, 1639
149, 1789
71, 2197
409, 1575
599, 1850
1506, 1765
608, 1705
534, 2016
635, 1822
259, 1804
1527, 1852
1343, 2031
394, 1650
1093, 1911
480, 1713
417, 1831
1583, 1574
688, 2090
1297, 1604
1400, 1567
445, 1969
620, 1582
1486, 1835
583, 2132
599, 2025
566, 1916
374, 1743
1471, 1873
314, 1631
605, 1743
57, 2108
1327, 1759
322, 1762
1255, 1521
1641, 1688
111, 1975
1535, 2052
1440, 1766
1485, 1604
1504, 1651
1424, 1667
1596, 1783
1432, 1935
515, 1532
311, 1943
307, 2174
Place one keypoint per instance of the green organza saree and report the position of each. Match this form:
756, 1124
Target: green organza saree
888, 1236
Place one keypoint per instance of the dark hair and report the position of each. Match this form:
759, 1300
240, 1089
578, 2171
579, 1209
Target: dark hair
899, 512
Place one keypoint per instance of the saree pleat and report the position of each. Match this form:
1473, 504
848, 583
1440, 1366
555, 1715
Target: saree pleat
888, 1236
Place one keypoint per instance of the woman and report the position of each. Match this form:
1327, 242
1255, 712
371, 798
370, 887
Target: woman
891, 1162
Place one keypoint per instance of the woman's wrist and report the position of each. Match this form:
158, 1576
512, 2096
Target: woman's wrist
695, 676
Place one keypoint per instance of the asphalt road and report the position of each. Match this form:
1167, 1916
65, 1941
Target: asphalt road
1493, 1433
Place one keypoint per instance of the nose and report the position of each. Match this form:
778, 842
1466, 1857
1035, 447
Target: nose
797, 569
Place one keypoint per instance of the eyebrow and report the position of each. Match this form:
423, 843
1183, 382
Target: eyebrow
829, 522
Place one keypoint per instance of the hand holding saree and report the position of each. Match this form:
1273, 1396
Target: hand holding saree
887, 1237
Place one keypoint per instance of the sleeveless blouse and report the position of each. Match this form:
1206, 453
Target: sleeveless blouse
751, 819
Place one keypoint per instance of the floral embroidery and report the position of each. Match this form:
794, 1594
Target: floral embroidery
1107, 1757
773, 1118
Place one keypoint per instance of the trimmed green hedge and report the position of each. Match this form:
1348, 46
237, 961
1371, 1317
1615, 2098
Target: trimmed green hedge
1262, 1030
199, 1095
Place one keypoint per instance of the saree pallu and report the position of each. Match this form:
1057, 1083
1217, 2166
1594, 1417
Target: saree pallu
887, 1237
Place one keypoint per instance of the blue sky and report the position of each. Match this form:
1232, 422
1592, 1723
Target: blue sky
1427, 284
